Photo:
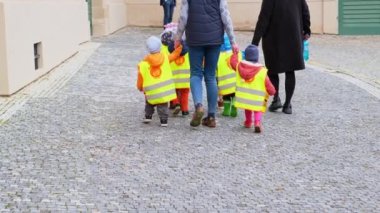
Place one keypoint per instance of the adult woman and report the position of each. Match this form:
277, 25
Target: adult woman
283, 25
205, 22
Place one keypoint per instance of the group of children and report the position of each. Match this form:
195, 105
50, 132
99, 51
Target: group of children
164, 77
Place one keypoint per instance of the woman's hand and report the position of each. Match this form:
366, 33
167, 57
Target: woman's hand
306, 37
235, 48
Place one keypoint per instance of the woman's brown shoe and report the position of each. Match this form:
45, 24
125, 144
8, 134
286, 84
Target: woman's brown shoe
197, 117
209, 121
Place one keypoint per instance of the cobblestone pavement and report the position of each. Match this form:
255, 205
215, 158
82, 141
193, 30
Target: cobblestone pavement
85, 149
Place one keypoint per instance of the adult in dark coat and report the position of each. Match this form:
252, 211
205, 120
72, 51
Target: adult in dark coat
283, 25
168, 6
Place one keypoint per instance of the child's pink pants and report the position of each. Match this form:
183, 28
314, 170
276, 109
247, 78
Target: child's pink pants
257, 116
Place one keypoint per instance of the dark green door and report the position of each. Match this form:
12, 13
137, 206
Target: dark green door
89, 2
359, 17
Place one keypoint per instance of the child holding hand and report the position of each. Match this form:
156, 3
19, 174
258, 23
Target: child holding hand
253, 86
155, 79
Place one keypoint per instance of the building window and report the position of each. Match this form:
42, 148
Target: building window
37, 56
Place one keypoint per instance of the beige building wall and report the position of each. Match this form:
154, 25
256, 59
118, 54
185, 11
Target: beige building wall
244, 13
324, 16
147, 12
331, 16
59, 25
108, 16
3, 56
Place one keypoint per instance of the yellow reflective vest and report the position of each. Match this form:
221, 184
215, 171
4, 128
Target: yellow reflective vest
225, 74
160, 89
165, 50
181, 72
252, 95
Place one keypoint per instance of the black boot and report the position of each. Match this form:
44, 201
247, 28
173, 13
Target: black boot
287, 109
276, 104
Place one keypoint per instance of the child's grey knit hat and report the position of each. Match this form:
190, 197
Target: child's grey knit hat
153, 44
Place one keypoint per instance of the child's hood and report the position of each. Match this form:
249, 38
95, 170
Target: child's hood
248, 70
155, 61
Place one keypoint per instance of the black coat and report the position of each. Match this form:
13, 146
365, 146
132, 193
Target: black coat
162, 2
282, 25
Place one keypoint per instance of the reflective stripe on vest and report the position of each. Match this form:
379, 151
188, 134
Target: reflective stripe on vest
157, 86
226, 77
181, 73
159, 89
252, 95
249, 102
225, 74
177, 72
251, 91
227, 86
181, 80
160, 95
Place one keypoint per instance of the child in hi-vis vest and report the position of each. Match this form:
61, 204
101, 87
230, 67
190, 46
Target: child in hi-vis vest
156, 81
253, 86
181, 75
226, 78
166, 39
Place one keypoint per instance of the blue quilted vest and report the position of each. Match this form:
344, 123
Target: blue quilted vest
204, 23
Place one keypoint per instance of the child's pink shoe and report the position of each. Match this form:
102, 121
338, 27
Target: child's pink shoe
258, 127
248, 124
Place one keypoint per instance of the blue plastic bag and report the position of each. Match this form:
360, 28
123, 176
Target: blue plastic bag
306, 50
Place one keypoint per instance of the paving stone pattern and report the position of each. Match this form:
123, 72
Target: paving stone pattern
86, 149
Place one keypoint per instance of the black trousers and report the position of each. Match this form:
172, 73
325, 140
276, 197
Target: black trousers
290, 84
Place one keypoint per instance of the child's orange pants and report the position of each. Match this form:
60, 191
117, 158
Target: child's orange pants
182, 99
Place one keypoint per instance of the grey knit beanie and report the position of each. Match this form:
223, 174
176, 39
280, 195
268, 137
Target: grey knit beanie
153, 44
